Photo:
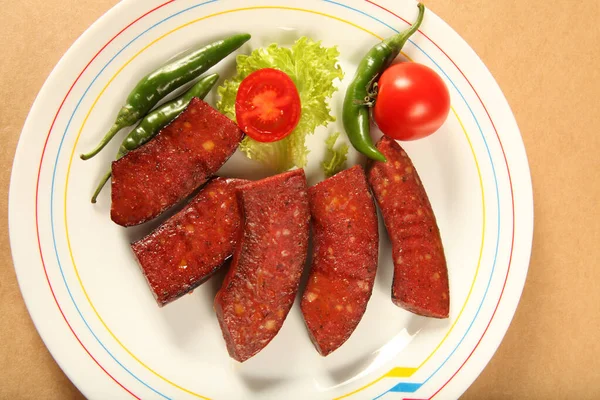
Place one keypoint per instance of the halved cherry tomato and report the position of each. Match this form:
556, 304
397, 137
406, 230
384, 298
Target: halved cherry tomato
412, 102
267, 105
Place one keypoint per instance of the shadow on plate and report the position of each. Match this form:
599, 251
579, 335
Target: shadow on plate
385, 269
182, 322
351, 369
259, 384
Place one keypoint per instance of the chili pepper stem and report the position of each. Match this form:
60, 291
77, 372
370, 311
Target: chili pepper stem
103, 181
109, 135
372, 94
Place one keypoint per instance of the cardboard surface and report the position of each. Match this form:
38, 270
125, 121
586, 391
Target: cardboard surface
545, 57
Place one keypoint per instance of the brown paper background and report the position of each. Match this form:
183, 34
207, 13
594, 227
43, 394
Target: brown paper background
545, 56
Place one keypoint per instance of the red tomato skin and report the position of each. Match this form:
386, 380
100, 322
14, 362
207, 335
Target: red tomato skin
267, 105
412, 101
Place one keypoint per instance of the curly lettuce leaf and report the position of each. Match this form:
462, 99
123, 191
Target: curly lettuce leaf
335, 159
313, 69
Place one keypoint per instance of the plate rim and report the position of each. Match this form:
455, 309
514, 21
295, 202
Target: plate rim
525, 173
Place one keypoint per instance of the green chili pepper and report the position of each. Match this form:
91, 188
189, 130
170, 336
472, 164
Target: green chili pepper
156, 85
361, 91
158, 119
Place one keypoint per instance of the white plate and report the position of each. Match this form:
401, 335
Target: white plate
91, 304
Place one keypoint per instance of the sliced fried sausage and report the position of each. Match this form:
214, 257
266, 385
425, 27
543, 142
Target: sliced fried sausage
149, 180
420, 282
189, 247
346, 242
263, 279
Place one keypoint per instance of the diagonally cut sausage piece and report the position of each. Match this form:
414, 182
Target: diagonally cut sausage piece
189, 247
346, 242
263, 279
149, 180
420, 274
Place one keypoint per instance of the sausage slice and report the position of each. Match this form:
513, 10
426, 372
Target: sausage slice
420, 283
189, 247
346, 242
154, 177
263, 279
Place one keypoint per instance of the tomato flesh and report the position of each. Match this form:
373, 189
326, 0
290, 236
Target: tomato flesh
412, 101
267, 105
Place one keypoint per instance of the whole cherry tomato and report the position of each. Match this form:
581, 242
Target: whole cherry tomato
412, 101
